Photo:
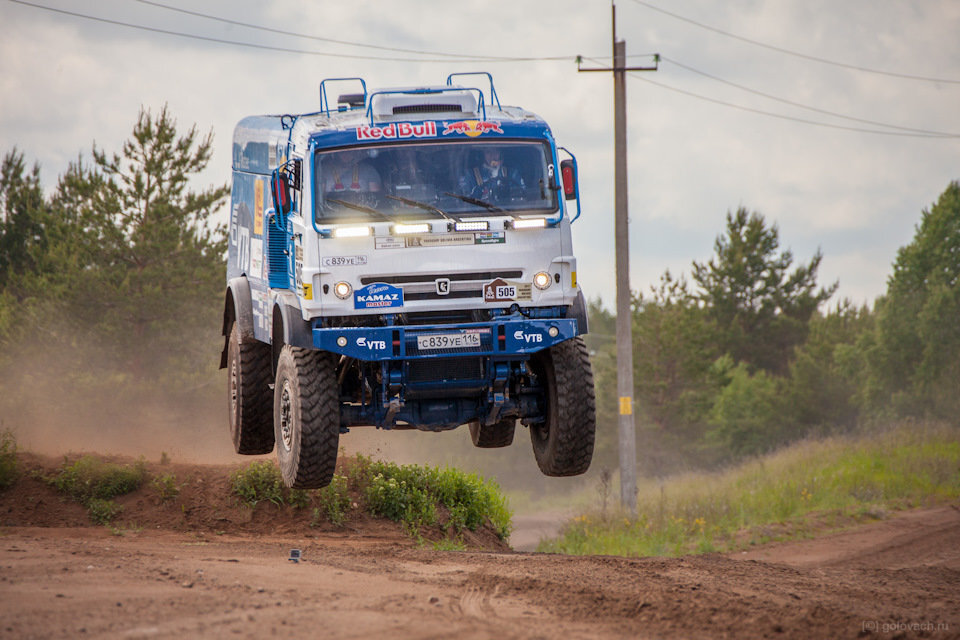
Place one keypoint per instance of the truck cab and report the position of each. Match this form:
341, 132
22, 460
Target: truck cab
403, 260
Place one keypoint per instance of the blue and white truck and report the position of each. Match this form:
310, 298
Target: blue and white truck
402, 259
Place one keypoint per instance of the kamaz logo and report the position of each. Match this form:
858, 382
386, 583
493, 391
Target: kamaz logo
373, 345
379, 297
527, 337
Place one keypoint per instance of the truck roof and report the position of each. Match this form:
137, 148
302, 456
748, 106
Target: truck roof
383, 115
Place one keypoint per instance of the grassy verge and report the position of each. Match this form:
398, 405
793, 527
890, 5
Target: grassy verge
94, 483
416, 496
803, 488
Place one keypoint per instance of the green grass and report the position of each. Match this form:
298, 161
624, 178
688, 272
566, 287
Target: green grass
103, 511
258, 482
802, 488
412, 494
94, 483
9, 468
416, 496
334, 502
91, 478
166, 487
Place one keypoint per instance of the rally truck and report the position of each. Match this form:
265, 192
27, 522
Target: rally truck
402, 259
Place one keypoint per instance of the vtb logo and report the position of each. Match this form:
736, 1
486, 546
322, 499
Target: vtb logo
443, 286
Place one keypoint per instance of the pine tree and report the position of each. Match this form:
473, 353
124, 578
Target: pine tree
761, 308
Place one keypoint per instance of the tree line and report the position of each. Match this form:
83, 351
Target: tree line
747, 354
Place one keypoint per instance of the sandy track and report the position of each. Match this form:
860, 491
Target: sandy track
895, 578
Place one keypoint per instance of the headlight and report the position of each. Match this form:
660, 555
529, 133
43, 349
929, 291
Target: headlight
542, 280
342, 290
472, 225
351, 232
411, 228
530, 223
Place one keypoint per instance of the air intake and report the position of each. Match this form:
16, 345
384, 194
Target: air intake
406, 101
427, 108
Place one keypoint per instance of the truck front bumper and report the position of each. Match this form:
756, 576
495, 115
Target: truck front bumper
501, 338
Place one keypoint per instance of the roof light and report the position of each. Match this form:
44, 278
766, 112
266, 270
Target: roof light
422, 227
351, 232
530, 223
473, 225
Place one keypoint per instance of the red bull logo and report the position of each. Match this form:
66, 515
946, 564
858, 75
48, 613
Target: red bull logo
471, 128
398, 130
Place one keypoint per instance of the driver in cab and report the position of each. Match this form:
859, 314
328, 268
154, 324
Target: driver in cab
489, 178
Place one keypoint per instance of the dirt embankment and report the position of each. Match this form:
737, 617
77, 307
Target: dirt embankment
204, 573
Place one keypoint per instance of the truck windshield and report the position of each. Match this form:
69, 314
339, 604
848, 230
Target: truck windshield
451, 180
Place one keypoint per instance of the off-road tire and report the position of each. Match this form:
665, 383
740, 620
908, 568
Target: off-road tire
563, 442
306, 416
493, 436
249, 395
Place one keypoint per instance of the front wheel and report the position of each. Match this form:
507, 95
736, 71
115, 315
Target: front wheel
563, 441
306, 417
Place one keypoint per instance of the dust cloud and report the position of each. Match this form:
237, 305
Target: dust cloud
63, 403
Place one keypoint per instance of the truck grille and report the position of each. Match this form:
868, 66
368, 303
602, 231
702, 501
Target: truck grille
429, 278
422, 286
446, 369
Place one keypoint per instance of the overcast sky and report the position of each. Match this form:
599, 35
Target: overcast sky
67, 81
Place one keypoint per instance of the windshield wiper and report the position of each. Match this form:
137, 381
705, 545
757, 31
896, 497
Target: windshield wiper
359, 207
424, 206
475, 202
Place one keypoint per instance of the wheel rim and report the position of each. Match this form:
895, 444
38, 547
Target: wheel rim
286, 416
234, 388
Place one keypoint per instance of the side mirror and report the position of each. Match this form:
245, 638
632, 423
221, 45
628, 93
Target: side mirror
281, 193
285, 180
568, 170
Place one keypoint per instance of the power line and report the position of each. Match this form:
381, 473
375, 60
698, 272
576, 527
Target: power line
804, 106
251, 45
790, 52
781, 116
342, 42
792, 118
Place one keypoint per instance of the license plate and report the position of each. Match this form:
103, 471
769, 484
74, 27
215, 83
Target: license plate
448, 341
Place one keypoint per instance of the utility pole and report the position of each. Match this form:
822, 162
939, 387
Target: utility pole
626, 429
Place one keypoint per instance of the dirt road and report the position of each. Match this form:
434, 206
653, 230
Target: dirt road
895, 578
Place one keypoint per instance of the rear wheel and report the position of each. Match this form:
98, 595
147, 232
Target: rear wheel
494, 435
248, 391
563, 441
306, 417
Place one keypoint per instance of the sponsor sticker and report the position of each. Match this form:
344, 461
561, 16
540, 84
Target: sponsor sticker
471, 128
501, 290
258, 186
343, 261
442, 240
389, 242
256, 257
378, 295
489, 237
